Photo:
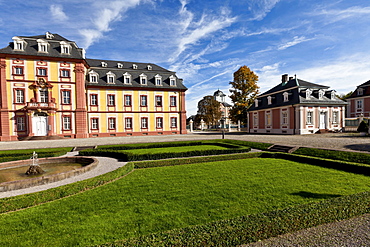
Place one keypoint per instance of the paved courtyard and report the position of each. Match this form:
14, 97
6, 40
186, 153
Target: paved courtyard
345, 141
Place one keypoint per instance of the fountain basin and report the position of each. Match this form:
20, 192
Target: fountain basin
88, 163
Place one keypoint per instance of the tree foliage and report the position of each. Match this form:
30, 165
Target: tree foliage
344, 96
209, 110
243, 93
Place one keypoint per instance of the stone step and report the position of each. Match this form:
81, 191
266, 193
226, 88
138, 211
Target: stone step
282, 148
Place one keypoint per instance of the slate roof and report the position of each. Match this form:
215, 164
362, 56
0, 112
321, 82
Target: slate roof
366, 90
112, 66
296, 90
31, 49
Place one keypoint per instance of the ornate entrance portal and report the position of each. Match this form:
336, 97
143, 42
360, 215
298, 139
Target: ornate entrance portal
39, 124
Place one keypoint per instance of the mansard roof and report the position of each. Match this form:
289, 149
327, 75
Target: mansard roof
119, 68
54, 50
365, 90
296, 92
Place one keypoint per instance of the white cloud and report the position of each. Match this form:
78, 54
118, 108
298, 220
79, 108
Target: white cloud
57, 13
260, 8
194, 31
340, 14
296, 40
107, 13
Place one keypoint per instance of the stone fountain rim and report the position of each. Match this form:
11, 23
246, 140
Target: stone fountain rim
30, 182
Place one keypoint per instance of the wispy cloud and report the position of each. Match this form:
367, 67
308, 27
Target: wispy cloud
107, 13
296, 40
193, 31
57, 13
340, 14
260, 8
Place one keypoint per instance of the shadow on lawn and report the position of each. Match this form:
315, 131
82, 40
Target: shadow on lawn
306, 194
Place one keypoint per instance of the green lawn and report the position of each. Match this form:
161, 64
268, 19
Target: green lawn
158, 199
175, 149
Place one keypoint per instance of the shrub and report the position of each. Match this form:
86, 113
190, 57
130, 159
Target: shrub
335, 155
363, 127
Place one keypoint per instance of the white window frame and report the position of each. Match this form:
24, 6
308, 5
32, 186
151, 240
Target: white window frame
19, 96
149, 67
65, 48
134, 66
308, 93
120, 65
142, 97
112, 123
173, 122
172, 80
284, 117
256, 103
143, 79
66, 123
19, 44
93, 77
255, 120
268, 119
159, 122
43, 46
128, 123
128, 100
144, 123
359, 104
21, 124
360, 91
44, 95
111, 77
285, 96
335, 117
158, 80
94, 99
66, 97
269, 98
309, 118
126, 78
94, 123
321, 93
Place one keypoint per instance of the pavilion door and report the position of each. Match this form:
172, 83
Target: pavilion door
322, 120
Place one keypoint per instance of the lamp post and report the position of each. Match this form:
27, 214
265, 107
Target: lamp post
223, 127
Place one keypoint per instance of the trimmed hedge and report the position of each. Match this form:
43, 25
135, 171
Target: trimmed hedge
335, 155
194, 160
29, 200
251, 228
24, 154
256, 145
120, 151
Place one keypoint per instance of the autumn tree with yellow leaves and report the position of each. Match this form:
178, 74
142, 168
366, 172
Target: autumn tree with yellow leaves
243, 93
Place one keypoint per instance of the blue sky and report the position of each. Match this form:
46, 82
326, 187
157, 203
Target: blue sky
206, 41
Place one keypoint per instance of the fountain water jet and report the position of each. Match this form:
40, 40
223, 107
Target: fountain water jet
34, 168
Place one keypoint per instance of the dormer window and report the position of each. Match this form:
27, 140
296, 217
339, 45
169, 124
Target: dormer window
285, 96
93, 76
256, 102
149, 67
104, 64
172, 80
19, 44
308, 93
143, 79
158, 80
42, 45
134, 66
360, 91
111, 77
269, 100
120, 65
65, 48
126, 78
332, 95
321, 93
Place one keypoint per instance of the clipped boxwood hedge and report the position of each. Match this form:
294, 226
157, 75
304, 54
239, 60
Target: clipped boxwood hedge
120, 151
23, 154
335, 155
254, 227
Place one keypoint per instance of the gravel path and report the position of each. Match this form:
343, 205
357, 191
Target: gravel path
353, 232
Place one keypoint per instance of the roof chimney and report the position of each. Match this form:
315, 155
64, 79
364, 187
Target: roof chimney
284, 79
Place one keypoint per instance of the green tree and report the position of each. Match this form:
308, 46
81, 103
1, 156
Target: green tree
209, 110
343, 96
243, 93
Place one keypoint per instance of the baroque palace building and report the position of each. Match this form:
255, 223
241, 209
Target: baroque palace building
48, 88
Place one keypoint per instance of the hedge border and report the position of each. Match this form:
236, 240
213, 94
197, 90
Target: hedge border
120, 151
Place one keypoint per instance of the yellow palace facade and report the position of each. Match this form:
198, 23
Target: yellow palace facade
49, 89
